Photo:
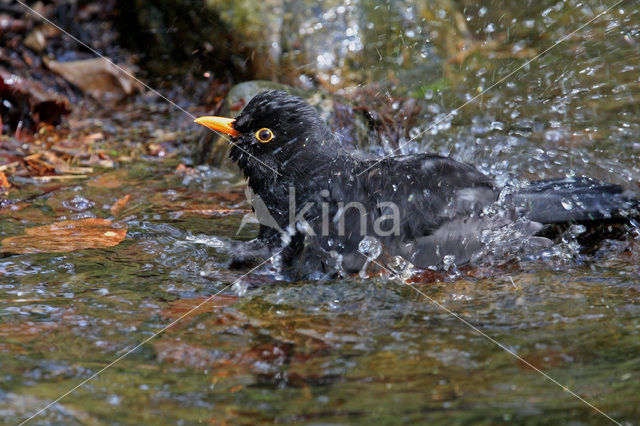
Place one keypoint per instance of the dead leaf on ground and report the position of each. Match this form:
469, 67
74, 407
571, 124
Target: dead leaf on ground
65, 236
97, 77
42, 164
14, 335
4, 182
37, 39
185, 170
62, 166
93, 137
180, 307
108, 180
117, 207
230, 360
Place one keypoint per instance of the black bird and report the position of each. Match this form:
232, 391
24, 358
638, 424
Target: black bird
428, 209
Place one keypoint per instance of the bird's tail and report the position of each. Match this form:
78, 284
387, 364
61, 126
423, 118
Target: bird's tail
576, 200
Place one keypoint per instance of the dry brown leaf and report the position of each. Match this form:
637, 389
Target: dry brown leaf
13, 336
180, 307
37, 39
93, 137
4, 182
117, 207
97, 77
65, 236
25, 331
108, 180
62, 167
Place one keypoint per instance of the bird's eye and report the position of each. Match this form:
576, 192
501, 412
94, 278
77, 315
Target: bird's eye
264, 135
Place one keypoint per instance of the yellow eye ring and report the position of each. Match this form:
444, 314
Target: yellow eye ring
264, 135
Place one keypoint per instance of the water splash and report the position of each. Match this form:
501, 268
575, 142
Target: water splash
371, 248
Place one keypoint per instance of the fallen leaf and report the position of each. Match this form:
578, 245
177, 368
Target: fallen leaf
97, 77
65, 236
185, 170
62, 167
4, 182
180, 307
108, 180
37, 39
25, 331
241, 359
117, 207
14, 335
93, 137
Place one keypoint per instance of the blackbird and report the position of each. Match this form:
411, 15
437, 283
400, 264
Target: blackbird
319, 202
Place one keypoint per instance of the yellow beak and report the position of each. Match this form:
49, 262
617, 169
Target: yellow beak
220, 124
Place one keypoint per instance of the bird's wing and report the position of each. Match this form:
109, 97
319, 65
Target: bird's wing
429, 190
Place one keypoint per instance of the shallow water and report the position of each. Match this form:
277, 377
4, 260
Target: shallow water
331, 352
352, 350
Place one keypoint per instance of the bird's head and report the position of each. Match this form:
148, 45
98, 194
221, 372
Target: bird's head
277, 130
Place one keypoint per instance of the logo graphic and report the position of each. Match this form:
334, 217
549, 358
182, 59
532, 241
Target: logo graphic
388, 216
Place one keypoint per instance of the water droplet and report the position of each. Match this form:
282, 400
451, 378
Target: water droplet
448, 261
497, 125
78, 204
240, 288
576, 230
370, 247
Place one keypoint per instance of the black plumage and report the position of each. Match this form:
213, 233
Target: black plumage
426, 208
